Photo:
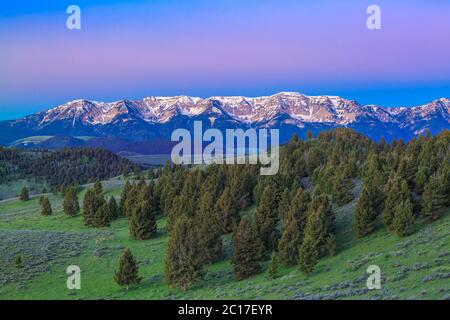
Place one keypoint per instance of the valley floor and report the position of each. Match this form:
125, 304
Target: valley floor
416, 267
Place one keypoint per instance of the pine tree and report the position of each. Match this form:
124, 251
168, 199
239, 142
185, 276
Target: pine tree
102, 217
273, 267
290, 241
398, 192
246, 249
98, 188
308, 253
367, 209
435, 198
90, 207
24, 194
113, 208
226, 212
126, 191
403, 222
128, 273
142, 218
320, 207
299, 208
342, 186
285, 204
71, 205
421, 179
183, 256
266, 221
46, 207
210, 240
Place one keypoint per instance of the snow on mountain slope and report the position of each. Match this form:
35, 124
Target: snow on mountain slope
156, 116
317, 109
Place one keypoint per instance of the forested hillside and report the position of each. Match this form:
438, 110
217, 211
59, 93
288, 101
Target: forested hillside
339, 203
66, 167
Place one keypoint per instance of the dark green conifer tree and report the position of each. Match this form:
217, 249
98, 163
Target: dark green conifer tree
128, 273
246, 248
71, 205
98, 188
183, 256
123, 198
290, 241
142, 219
403, 222
226, 212
46, 207
266, 222
24, 194
210, 240
113, 208
367, 209
102, 217
435, 198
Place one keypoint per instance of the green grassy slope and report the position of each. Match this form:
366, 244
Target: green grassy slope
415, 267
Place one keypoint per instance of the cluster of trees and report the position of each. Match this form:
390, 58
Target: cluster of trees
401, 181
288, 218
294, 221
140, 204
63, 168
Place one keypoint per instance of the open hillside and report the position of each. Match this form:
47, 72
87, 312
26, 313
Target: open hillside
415, 267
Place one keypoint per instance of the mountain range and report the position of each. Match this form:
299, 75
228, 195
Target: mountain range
144, 124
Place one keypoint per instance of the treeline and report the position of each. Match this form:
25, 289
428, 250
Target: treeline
61, 169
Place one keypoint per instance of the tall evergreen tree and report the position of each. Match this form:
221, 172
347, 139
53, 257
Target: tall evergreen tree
102, 216
46, 207
128, 273
309, 250
226, 212
266, 221
123, 198
210, 240
98, 188
398, 192
246, 248
342, 186
183, 256
367, 209
285, 204
142, 219
113, 208
71, 205
403, 222
435, 198
24, 194
131, 200
290, 241
90, 207
299, 208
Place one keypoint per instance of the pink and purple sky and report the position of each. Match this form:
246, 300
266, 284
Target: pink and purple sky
133, 49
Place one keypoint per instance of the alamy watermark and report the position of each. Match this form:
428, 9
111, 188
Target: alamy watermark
73, 22
74, 279
252, 146
374, 280
374, 19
